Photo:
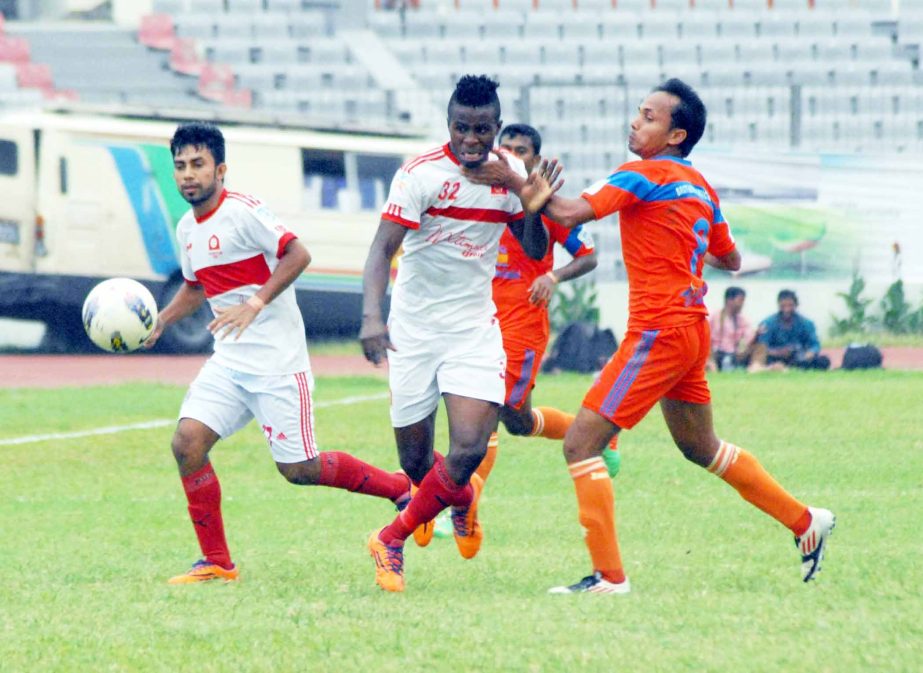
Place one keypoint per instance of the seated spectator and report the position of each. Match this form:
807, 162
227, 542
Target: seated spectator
788, 338
732, 335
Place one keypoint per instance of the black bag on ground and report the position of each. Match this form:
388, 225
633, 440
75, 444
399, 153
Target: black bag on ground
864, 356
581, 347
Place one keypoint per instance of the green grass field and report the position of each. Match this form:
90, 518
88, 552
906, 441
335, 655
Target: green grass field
92, 527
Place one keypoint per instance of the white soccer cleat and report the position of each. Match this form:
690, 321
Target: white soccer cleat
594, 584
814, 541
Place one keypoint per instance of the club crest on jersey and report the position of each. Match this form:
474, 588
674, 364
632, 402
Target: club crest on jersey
214, 246
497, 190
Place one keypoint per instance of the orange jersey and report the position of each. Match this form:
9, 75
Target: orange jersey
516, 272
669, 218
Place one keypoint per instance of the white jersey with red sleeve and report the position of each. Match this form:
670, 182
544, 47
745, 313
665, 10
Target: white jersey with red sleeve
231, 252
450, 249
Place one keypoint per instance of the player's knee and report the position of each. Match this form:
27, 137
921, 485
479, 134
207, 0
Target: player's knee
518, 426
415, 468
187, 449
305, 473
695, 451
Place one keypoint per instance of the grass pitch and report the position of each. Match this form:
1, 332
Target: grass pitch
91, 527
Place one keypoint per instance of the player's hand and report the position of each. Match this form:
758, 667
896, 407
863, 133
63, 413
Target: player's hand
376, 342
232, 318
543, 182
495, 173
541, 291
151, 341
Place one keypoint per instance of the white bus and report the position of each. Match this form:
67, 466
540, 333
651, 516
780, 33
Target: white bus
90, 196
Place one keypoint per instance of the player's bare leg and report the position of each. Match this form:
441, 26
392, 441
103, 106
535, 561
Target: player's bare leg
584, 443
191, 443
692, 429
552, 424
338, 469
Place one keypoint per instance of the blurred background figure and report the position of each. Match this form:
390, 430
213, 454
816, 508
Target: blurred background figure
788, 338
732, 334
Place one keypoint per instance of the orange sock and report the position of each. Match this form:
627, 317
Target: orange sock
550, 423
743, 471
596, 503
487, 464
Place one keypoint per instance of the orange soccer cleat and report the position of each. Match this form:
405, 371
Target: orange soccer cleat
203, 571
389, 563
467, 528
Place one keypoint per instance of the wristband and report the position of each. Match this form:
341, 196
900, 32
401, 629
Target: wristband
554, 279
256, 303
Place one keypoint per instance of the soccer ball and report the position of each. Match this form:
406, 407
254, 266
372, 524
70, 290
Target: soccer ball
119, 315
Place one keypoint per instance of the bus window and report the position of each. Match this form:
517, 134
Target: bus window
9, 158
324, 177
375, 173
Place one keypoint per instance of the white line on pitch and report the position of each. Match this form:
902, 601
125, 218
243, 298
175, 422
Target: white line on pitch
159, 423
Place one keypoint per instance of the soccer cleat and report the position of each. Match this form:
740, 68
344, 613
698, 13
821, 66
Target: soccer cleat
465, 524
594, 584
203, 571
814, 541
389, 563
613, 460
422, 534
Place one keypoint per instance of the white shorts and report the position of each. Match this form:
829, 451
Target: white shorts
226, 400
428, 364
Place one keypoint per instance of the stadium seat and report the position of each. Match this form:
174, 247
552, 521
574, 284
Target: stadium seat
678, 53
244, 6
279, 52
184, 58
283, 6
233, 27
14, 49
308, 25
208, 7
156, 31
195, 27
564, 54
171, 7
481, 54
258, 76
230, 52
34, 76
270, 27
620, 26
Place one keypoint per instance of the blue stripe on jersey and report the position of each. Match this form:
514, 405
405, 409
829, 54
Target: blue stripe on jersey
573, 243
518, 393
649, 191
719, 217
629, 373
141, 186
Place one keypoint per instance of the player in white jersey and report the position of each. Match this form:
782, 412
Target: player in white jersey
236, 254
442, 334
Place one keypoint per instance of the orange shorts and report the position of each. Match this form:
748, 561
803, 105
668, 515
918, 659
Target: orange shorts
648, 366
522, 365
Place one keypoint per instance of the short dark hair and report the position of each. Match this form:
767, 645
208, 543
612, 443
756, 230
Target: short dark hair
530, 132
733, 292
476, 91
689, 114
787, 294
199, 134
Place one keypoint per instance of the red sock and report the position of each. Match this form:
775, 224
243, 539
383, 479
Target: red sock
437, 491
341, 470
204, 495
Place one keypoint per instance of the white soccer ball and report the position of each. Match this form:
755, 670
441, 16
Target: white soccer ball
119, 315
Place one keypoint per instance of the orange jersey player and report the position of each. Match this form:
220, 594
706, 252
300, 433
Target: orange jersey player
671, 225
522, 289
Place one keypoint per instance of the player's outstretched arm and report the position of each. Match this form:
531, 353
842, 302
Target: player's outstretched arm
293, 261
374, 333
185, 302
543, 287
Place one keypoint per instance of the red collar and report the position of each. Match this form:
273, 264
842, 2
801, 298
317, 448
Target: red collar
211, 212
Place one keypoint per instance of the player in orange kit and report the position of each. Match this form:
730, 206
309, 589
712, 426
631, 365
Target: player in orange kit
671, 225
